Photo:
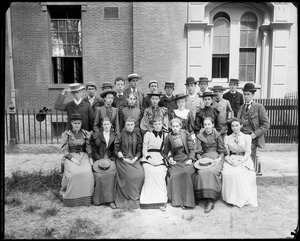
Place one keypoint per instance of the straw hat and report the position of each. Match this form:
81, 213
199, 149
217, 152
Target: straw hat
90, 83
204, 163
133, 76
203, 79
102, 165
74, 87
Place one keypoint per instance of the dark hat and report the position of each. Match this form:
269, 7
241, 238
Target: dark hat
234, 81
203, 79
104, 93
169, 84
152, 81
102, 165
218, 87
133, 76
208, 93
190, 80
40, 117
107, 84
180, 96
249, 87
75, 87
76, 117
90, 83
154, 94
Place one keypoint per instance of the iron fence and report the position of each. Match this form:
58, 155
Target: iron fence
283, 115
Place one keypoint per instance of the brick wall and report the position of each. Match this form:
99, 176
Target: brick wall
160, 43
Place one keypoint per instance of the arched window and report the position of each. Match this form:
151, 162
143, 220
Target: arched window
248, 41
220, 58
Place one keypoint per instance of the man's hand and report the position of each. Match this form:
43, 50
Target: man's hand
91, 161
120, 155
64, 92
188, 162
253, 136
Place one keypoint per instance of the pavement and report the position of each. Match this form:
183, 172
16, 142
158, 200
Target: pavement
279, 162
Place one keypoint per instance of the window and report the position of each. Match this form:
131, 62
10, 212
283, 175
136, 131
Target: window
220, 58
248, 40
66, 46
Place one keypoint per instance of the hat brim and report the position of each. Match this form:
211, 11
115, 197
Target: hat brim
159, 95
80, 88
97, 169
103, 94
204, 81
204, 163
250, 90
218, 89
194, 82
181, 97
210, 95
134, 77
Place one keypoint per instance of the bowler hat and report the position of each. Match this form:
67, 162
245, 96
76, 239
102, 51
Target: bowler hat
218, 87
74, 87
190, 80
249, 87
152, 81
40, 117
234, 81
90, 83
107, 84
204, 163
133, 76
169, 84
208, 93
180, 96
104, 93
101, 165
154, 94
203, 79
76, 116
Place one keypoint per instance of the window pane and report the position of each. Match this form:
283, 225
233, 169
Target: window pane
242, 73
250, 73
217, 45
251, 39
242, 57
243, 39
224, 67
224, 45
250, 57
62, 26
54, 25
215, 68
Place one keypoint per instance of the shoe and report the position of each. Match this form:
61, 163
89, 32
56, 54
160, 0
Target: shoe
112, 205
183, 207
210, 205
162, 209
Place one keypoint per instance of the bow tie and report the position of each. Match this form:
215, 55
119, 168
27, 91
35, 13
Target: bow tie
156, 133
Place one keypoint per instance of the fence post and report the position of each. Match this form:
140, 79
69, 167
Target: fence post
12, 125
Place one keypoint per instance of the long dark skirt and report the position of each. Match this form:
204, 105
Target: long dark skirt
208, 182
130, 179
105, 185
180, 184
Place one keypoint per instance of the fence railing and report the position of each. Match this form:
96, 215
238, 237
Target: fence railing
283, 115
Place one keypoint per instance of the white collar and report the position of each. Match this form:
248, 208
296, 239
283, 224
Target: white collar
232, 92
250, 103
118, 94
92, 98
133, 90
77, 102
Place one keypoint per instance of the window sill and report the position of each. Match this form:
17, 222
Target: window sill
58, 86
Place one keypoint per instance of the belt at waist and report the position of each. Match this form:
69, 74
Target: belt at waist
237, 153
153, 150
76, 150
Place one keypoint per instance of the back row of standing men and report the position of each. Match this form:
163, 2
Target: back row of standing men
190, 107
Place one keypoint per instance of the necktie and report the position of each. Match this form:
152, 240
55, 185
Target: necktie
156, 133
247, 107
236, 139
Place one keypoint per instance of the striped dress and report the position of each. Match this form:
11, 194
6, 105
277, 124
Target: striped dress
239, 183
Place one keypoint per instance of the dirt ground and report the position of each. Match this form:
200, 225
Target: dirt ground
276, 217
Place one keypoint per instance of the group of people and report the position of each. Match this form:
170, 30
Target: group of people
128, 150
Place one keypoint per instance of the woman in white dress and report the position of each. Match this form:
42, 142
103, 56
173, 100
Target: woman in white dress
238, 175
154, 191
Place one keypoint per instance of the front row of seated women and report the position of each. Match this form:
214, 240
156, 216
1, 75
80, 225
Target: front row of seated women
128, 171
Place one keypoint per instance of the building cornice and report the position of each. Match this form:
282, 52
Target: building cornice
205, 26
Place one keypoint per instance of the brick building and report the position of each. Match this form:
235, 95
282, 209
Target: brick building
51, 44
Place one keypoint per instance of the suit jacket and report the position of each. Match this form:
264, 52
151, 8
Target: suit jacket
188, 145
258, 120
83, 108
101, 113
97, 102
121, 143
236, 100
168, 103
140, 96
99, 147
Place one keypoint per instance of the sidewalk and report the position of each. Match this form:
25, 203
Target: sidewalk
277, 167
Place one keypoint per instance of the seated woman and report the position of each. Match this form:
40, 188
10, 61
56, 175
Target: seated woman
131, 110
154, 191
78, 180
207, 180
184, 114
105, 171
238, 175
207, 111
130, 172
180, 153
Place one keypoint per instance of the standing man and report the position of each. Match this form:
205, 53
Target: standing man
92, 98
224, 107
193, 101
167, 100
120, 100
151, 112
254, 118
77, 106
203, 85
153, 87
235, 98
133, 83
